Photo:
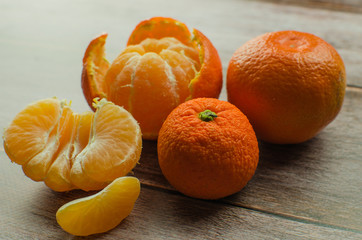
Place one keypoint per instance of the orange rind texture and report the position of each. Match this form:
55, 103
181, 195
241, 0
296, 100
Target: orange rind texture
160, 27
207, 159
289, 84
162, 66
95, 67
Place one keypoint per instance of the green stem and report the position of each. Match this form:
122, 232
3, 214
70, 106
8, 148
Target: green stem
207, 116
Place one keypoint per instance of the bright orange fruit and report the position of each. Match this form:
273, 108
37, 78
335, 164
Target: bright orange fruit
100, 212
68, 150
207, 149
289, 84
162, 66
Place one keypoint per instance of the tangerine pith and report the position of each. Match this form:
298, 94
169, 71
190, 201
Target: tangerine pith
68, 150
163, 65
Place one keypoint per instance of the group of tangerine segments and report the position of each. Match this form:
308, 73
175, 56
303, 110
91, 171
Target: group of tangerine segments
68, 150
163, 63
87, 151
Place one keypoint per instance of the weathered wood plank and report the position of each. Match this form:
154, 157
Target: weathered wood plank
297, 191
27, 211
51, 50
317, 181
354, 6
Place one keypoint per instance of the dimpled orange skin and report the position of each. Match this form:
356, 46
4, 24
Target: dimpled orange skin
289, 84
153, 75
207, 160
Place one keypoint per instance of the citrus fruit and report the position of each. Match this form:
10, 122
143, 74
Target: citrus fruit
163, 65
289, 84
100, 212
207, 149
68, 150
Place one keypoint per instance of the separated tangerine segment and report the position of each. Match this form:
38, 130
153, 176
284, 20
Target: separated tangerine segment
68, 150
100, 212
162, 66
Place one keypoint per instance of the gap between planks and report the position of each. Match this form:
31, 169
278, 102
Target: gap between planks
161, 188
338, 5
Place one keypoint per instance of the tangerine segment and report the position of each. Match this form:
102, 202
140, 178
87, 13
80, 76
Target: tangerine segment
58, 177
31, 132
162, 66
100, 212
114, 146
37, 167
78, 178
58, 150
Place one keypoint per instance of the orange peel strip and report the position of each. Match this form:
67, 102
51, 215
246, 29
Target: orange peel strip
95, 66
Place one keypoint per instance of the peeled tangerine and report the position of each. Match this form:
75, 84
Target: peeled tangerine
68, 150
100, 212
163, 65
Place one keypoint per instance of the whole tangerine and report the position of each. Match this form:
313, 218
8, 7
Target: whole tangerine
163, 65
289, 84
207, 149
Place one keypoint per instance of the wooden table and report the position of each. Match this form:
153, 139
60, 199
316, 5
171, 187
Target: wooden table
311, 190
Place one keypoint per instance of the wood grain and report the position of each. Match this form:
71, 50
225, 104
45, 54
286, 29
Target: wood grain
305, 191
58, 44
317, 181
28, 212
337, 5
